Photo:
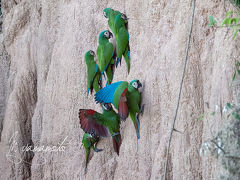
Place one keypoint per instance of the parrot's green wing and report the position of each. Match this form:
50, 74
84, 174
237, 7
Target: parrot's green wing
108, 53
105, 53
122, 41
134, 101
92, 73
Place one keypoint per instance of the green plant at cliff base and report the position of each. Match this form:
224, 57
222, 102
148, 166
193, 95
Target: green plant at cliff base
236, 73
236, 2
231, 21
225, 145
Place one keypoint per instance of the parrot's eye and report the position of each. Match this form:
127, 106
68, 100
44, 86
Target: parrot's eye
106, 106
135, 85
104, 13
92, 133
106, 34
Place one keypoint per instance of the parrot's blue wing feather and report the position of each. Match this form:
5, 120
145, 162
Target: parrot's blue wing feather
106, 94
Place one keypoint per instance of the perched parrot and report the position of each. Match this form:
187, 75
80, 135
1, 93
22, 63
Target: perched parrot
111, 14
89, 142
93, 73
126, 99
122, 39
105, 53
102, 124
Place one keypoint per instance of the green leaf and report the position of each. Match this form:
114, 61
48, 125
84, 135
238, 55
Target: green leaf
233, 20
224, 22
229, 13
235, 33
236, 116
213, 113
233, 78
228, 116
212, 21
228, 22
237, 64
200, 118
229, 105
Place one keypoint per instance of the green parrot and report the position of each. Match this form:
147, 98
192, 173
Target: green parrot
89, 142
102, 125
126, 98
93, 73
122, 39
105, 55
118, 23
111, 14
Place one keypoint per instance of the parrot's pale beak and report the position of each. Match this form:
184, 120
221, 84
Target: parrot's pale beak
104, 13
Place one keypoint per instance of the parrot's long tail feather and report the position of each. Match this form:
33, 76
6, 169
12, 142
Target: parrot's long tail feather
117, 141
127, 59
118, 61
138, 132
137, 127
86, 162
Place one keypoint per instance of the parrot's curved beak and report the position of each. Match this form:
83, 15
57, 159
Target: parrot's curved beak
124, 16
139, 84
111, 35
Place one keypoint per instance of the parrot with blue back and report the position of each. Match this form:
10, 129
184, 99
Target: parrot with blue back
126, 98
102, 125
93, 73
105, 55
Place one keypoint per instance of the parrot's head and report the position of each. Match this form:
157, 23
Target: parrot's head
107, 34
107, 106
135, 84
106, 12
124, 17
89, 56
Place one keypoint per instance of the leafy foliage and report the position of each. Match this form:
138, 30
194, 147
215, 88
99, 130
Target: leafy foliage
236, 72
212, 22
237, 2
231, 20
